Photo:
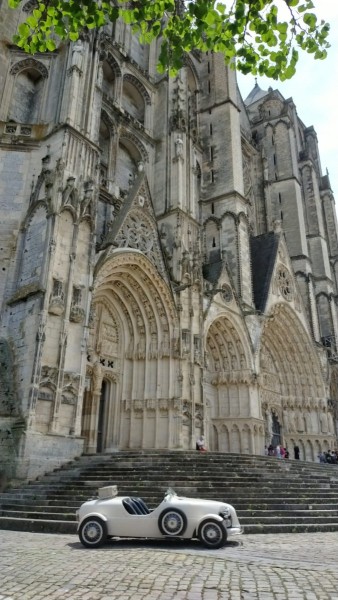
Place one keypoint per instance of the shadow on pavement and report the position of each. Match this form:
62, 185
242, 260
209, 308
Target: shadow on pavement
153, 544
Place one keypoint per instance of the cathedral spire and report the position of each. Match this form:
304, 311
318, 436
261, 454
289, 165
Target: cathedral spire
256, 94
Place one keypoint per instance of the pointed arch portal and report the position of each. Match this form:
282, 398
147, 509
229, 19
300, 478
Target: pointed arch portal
292, 393
132, 346
230, 390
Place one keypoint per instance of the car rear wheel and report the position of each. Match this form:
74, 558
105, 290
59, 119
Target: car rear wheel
212, 534
93, 532
172, 521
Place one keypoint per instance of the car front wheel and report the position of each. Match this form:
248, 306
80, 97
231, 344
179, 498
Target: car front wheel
212, 534
172, 521
93, 532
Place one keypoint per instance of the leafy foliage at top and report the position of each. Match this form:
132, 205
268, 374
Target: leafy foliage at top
263, 36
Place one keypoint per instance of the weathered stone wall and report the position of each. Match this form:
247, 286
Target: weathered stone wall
42, 454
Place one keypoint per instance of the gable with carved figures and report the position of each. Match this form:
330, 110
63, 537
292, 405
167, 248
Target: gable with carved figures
136, 226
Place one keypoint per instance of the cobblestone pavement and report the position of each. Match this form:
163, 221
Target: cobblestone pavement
284, 566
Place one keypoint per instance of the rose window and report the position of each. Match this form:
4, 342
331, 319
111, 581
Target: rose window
284, 282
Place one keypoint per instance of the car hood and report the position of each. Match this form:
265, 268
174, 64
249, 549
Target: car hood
208, 504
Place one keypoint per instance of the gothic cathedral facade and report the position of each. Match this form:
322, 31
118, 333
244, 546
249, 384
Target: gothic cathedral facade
169, 259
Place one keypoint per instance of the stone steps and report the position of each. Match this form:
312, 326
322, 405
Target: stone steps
241, 494
68, 512
182, 477
269, 495
69, 505
39, 508
218, 487
27, 514
37, 525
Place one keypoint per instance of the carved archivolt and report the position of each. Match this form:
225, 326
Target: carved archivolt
113, 65
139, 302
287, 345
227, 357
29, 63
290, 379
108, 121
28, 6
139, 86
127, 135
135, 262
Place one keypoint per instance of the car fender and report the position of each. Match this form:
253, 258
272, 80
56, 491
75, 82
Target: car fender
209, 516
92, 514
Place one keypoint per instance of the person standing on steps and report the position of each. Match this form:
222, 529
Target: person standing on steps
296, 451
200, 444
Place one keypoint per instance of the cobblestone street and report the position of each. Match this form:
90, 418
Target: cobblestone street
288, 566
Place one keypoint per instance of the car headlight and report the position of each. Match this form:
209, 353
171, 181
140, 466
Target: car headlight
225, 513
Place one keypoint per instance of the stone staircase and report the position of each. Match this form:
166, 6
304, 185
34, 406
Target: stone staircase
270, 495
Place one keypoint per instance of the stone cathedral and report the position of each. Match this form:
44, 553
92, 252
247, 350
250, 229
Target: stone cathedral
169, 259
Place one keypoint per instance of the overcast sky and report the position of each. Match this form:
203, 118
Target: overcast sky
314, 90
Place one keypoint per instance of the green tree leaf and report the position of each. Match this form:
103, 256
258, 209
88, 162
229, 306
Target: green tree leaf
249, 31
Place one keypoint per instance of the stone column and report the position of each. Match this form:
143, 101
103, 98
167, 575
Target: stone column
72, 96
177, 175
97, 376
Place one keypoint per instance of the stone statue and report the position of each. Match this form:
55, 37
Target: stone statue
323, 422
300, 421
265, 168
292, 424
179, 147
330, 422
77, 54
308, 421
286, 420
269, 429
99, 76
97, 378
87, 198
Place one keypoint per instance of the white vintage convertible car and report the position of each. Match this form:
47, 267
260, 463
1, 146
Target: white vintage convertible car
111, 515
